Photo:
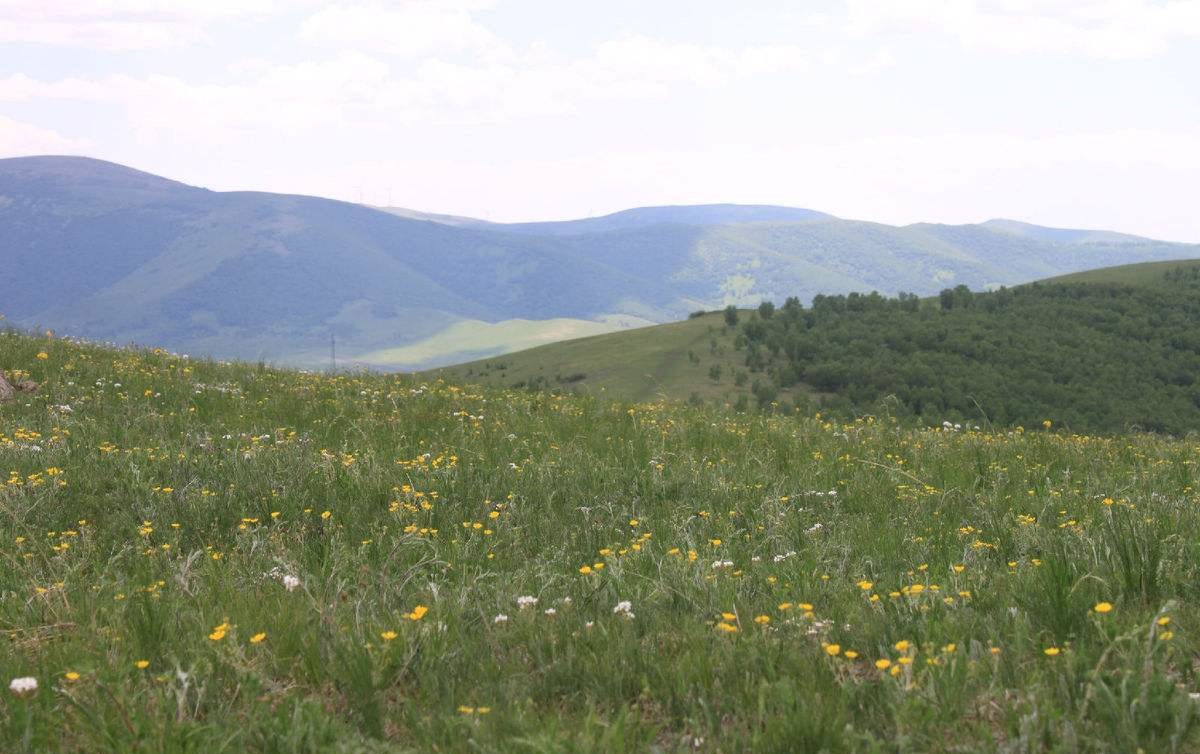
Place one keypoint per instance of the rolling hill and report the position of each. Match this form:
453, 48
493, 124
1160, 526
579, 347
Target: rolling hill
99, 250
1103, 350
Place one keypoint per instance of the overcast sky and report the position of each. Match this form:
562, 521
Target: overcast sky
1081, 113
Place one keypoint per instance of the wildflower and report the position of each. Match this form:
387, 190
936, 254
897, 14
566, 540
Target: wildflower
624, 608
71, 676
865, 585
42, 356
290, 582
388, 635
585, 569
833, 649
501, 618
258, 637
762, 620
417, 613
728, 628
1051, 651
550, 611
902, 645
23, 686
1166, 619
851, 654
1103, 607
1167, 635
883, 663
141, 664
526, 601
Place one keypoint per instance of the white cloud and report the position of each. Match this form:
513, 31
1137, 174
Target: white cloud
1103, 29
412, 29
17, 138
118, 25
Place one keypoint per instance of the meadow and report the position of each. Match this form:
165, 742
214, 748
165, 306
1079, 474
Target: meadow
205, 557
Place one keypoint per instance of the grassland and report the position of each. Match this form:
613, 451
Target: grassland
674, 361
1144, 273
468, 338
223, 558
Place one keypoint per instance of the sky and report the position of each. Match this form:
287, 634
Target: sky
1071, 113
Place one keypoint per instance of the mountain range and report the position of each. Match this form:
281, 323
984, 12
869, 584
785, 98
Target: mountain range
99, 250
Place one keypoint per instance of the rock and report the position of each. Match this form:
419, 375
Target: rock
6, 389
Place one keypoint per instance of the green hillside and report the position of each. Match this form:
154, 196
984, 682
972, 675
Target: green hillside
111, 253
232, 559
1146, 273
1121, 351
675, 361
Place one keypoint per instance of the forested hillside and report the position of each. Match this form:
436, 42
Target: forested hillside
1095, 356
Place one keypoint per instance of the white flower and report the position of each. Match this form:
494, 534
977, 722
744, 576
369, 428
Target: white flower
290, 582
589, 624
501, 618
722, 564
624, 608
815, 528
23, 686
526, 601
566, 600
550, 611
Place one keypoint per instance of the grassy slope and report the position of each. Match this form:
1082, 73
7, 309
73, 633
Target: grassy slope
1146, 273
475, 338
643, 364
942, 600
652, 362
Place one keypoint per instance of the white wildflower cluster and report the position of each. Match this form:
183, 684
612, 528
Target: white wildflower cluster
818, 526
290, 582
500, 618
624, 608
784, 556
23, 686
526, 601
722, 564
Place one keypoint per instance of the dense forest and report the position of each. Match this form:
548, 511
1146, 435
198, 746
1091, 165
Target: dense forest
1092, 357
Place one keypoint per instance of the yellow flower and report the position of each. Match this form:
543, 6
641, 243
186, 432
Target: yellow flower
326, 514
585, 569
883, 663
42, 356
728, 628
729, 616
851, 654
141, 664
762, 620
833, 649
258, 637
1103, 607
71, 676
1163, 620
217, 634
417, 613
865, 585
1051, 651
1167, 635
902, 645
785, 606
388, 635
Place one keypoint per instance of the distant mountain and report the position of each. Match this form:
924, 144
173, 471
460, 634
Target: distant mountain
104, 251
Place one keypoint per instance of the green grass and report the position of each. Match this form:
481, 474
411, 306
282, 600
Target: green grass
155, 520
1144, 273
673, 361
469, 338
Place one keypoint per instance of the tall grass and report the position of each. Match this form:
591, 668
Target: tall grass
225, 558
